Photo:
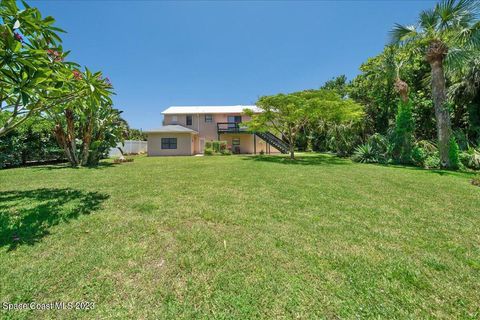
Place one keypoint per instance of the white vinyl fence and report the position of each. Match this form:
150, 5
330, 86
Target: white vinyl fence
130, 146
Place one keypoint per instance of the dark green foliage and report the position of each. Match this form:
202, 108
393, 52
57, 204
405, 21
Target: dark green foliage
136, 134
31, 141
454, 154
402, 138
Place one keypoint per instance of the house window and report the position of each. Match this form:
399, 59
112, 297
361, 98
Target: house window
208, 118
235, 142
174, 119
189, 120
169, 143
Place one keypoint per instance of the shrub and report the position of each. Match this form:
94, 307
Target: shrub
365, 153
432, 162
208, 152
226, 152
470, 158
216, 146
402, 139
419, 155
453, 154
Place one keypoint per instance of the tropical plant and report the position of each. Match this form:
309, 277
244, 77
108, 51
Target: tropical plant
32, 67
446, 35
365, 153
343, 138
86, 126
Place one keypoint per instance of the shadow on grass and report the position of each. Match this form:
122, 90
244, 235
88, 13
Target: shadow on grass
462, 174
101, 165
303, 159
27, 216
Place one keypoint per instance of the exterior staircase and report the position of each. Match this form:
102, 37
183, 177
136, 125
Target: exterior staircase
273, 140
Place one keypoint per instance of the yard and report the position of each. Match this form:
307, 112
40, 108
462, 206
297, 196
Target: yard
241, 237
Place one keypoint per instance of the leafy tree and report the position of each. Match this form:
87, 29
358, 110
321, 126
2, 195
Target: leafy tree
32, 70
447, 35
136, 134
287, 114
338, 84
89, 119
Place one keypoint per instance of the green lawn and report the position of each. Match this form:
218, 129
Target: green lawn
241, 237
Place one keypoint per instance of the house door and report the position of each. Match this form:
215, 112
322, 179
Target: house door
202, 144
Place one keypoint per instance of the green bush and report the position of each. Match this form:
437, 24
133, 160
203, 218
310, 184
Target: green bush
419, 155
470, 158
402, 138
432, 162
208, 152
217, 147
32, 141
365, 153
226, 152
453, 154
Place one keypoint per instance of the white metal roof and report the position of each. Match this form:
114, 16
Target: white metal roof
209, 109
173, 128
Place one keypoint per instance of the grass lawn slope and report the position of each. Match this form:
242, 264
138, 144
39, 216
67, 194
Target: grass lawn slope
241, 237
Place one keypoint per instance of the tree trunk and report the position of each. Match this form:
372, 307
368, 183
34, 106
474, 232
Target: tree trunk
291, 146
442, 113
436, 53
87, 139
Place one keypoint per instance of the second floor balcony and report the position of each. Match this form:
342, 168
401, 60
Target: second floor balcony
231, 127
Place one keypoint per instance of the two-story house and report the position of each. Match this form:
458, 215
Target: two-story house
186, 129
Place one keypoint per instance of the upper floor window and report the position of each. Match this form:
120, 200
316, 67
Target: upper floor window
208, 118
174, 119
189, 120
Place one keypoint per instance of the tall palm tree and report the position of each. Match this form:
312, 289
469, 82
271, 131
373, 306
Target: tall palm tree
447, 34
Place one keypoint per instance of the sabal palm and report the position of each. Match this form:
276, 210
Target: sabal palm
448, 34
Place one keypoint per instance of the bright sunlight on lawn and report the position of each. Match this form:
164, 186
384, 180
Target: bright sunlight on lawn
244, 237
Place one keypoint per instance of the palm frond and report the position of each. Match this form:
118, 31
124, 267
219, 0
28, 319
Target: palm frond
428, 19
456, 13
403, 34
456, 58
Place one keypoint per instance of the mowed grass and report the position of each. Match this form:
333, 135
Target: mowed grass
239, 238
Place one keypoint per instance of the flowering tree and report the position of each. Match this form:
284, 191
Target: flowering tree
33, 73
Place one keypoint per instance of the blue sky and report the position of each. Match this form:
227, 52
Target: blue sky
162, 53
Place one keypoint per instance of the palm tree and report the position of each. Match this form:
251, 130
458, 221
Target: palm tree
448, 34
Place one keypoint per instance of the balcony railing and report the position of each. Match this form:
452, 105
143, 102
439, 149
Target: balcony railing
231, 127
